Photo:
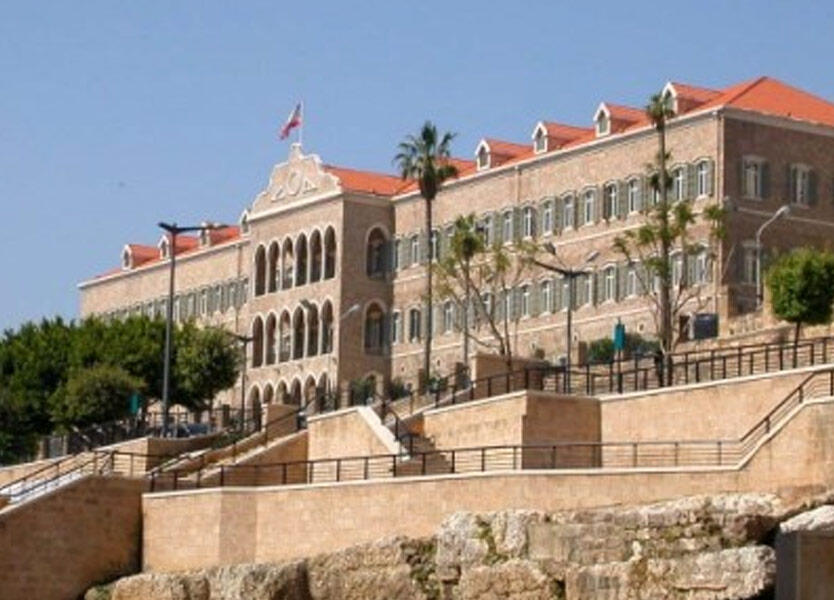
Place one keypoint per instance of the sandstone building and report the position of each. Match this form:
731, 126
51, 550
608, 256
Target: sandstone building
326, 268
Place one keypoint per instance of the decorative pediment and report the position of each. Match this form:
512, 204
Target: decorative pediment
301, 176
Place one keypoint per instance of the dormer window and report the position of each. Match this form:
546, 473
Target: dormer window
540, 140
244, 222
482, 156
602, 121
205, 238
163, 248
126, 259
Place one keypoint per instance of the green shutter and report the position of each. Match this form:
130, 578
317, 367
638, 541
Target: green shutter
812, 187
691, 181
622, 199
710, 177
518, 223
622, 279
558, 207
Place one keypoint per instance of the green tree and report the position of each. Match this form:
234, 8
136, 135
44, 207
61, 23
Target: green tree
489, 274
425, 158
666, 229
801, 285
97, 394
207, 362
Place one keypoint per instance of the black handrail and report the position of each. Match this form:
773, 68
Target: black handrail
561, 455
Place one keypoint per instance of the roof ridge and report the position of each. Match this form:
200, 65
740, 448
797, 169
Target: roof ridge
746, 88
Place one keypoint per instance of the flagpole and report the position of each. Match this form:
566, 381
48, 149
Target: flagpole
301, 125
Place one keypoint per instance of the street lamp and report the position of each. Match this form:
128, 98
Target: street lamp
173, 231
245, 340
784, 211
570, 274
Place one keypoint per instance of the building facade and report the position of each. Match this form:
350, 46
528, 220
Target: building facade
327, 267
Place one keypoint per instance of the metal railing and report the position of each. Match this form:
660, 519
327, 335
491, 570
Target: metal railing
64, 471
641, 373
558, 456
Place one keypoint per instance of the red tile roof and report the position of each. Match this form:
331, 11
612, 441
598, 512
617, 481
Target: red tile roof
507, 149
142, 254
695, 93
629, 114
224, 234
566, 132
367, 182
770, 96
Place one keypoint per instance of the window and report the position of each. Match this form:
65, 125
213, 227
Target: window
610, 283
483, 157
507, 226
678, 184
395, 258
589, 207
588, 296
701, 267
375, 254
749, 264
611, 201
204, 302
508, 304
567, 216
414, 325
489, 307
396, 328
448, 317
633, 196
450, 234
800, 184
374, 329
540, 141
703, 178
487, 230
677, 270
603, 124
631, 281
752, 178
566, 293
233, 295
546, 296
415, 249
547, 218
434, 240
529, 222
525, 301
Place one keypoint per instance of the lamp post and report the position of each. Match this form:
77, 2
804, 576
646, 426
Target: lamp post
570, 274
245, 340
173, 231
784, 211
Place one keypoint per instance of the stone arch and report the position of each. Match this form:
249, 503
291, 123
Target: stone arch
295, 393
284, 337
271, 326
257, 342
281, 392
374, 329
310, 390
316, 256
301, 260
313, 330
298, 331
268, 394
329, 253
273, 267
287, 264
327, 327
260, 271
375, 249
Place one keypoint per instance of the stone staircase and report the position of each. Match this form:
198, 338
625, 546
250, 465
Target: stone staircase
419, 454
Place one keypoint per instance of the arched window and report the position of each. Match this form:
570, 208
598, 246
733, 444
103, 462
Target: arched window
327, 328
298, 334
312, 330
322, 393
329, 253
301, 260
260, 271
375, 253
269, 394
254, 397
285, 337
270, 339
316, 257
295, 393
287, 264
281, 393
310, 390
257, 342
374, 329
274, 267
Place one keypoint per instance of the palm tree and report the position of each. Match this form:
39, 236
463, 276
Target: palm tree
425, 159
659, 110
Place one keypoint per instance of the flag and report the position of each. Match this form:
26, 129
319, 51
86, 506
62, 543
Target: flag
293, 121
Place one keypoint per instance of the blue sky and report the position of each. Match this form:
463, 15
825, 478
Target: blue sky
115, 115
